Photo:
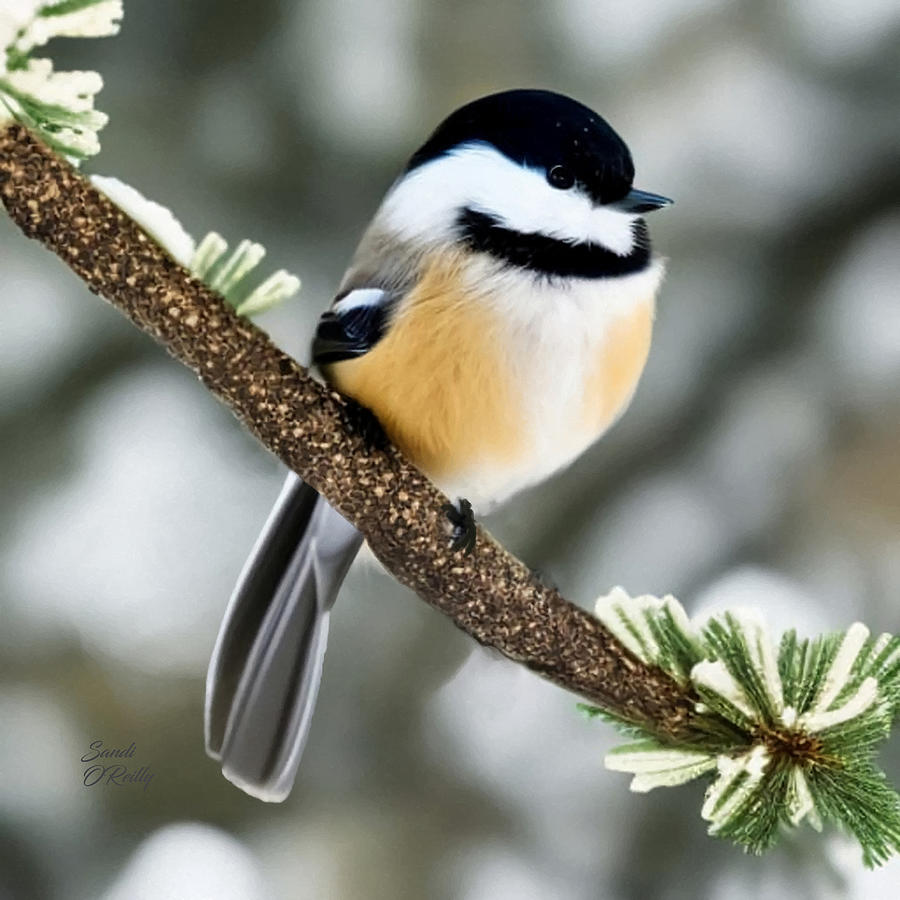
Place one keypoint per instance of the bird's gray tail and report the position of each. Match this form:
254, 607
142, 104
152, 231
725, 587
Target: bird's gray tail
264, 673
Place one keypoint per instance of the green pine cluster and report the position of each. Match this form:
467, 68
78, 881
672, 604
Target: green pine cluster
57, 106
790, 733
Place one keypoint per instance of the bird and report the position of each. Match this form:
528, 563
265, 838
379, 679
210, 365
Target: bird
493, 323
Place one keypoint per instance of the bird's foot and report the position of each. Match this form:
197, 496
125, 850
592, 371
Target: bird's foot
462, 519
361, 421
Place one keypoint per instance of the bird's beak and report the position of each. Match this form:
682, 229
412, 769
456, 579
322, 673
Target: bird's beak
636, 201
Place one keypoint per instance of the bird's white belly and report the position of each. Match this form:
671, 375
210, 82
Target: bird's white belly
575, 354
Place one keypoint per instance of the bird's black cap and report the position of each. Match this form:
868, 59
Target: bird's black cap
540, 129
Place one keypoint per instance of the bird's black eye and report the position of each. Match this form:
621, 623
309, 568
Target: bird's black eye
560, 177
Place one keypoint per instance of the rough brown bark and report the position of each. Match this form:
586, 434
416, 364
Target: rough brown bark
489, 594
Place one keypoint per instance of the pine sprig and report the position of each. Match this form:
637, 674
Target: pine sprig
791, 734
58, 106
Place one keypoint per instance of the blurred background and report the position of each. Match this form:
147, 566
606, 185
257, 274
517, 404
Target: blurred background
759, 464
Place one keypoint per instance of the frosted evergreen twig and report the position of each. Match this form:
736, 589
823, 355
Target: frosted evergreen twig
58, 106
806, 720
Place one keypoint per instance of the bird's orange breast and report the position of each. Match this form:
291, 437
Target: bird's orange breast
437, 381
488, 402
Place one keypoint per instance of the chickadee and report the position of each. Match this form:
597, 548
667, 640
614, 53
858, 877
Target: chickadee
495, 318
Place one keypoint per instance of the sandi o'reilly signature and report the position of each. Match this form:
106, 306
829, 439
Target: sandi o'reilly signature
107, 766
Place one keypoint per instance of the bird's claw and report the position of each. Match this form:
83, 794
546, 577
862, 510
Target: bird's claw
464, 531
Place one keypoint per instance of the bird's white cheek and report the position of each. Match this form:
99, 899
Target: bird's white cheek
570, 216
426, 203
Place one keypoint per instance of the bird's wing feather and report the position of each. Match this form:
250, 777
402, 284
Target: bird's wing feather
353, 325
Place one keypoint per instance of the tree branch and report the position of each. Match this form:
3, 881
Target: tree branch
489, 594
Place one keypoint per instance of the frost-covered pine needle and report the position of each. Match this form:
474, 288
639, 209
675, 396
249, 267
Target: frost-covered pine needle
274, 290
789, 733
655, 766
244, 259
57, 106
209, 251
